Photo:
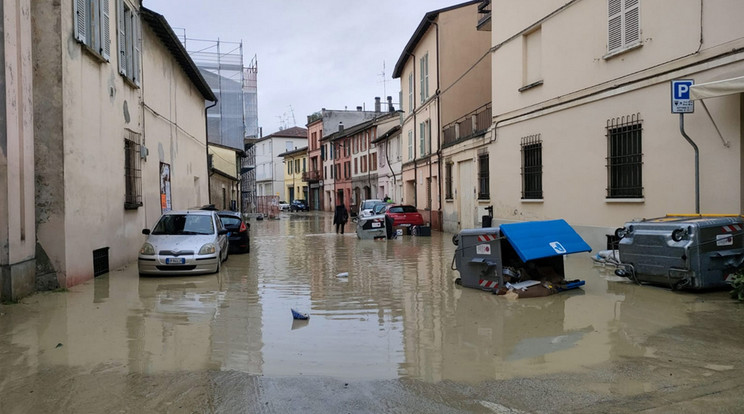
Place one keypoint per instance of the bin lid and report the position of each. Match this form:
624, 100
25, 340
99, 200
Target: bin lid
538, 239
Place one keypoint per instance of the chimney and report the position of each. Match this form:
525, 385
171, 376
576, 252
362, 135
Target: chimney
390, 104
377, 104
340, 126
359, 109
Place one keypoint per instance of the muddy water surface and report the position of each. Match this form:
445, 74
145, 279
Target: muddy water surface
396, 316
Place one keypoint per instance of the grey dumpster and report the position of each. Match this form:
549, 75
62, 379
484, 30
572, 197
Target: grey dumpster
525, 251
683, 252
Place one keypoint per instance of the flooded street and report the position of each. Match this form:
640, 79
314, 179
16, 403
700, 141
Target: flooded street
396, 335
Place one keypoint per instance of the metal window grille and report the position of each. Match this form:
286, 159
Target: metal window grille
624, 157
448, 180
132, 171
532, 167
100, 261
483, 177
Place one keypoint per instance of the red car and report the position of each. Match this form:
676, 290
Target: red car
404, 215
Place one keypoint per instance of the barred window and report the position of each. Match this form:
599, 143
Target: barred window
483, 188
448, 181
624, 157
132, 172
532, 167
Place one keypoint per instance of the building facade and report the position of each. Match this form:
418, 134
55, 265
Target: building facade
122, 114
438, 86
315, 155
270, 164
295, 168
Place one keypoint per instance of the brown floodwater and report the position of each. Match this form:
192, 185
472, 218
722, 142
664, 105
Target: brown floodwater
397, 315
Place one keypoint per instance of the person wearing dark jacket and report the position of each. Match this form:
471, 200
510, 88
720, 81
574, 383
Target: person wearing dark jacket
340, 217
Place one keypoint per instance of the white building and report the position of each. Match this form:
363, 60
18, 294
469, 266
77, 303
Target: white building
269, 164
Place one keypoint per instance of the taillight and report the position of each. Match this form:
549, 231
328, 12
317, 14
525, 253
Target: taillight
242, 227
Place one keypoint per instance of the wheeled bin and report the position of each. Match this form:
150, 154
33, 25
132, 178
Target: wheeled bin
683, 252
530, 250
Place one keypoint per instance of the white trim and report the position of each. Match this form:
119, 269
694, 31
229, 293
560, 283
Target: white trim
625, 200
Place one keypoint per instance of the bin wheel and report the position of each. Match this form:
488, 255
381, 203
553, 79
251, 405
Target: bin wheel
458, 281
454, 240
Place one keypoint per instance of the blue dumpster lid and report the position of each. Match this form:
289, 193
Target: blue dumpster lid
538, 239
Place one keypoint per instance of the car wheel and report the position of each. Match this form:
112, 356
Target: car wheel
219, 262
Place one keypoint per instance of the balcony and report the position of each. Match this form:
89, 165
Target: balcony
472, 124
312, 176
484, 21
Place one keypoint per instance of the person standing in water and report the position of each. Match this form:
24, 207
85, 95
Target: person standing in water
340, 217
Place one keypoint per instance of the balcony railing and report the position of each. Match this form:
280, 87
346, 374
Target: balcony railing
472, 124
312, 176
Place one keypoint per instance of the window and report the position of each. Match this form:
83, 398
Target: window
424, 64
624, 157
448, 181
410, 92
483, 177
91, 25
532, 167
132, 172
356, 166
410, 145
624, 28
289, 167
373, 162
129, 42
532, 63
297, 166
424, 134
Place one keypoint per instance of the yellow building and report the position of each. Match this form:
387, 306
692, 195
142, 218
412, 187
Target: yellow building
295, 167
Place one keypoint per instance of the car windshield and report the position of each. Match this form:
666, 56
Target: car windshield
173, 224
368, 204
403, 209
379, 208
230, 221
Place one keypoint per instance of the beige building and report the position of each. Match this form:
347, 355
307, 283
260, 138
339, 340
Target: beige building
582, 122
224, 177
295, 167
17, 229
120, 124
444, 72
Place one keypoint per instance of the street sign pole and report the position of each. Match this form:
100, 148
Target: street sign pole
682, 104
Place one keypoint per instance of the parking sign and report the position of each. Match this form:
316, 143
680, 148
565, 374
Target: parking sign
681, 102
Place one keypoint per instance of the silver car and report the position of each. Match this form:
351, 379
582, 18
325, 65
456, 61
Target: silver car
184, 242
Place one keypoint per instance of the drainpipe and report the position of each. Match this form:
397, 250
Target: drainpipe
415, 167
697, 162
206, 134
439, 136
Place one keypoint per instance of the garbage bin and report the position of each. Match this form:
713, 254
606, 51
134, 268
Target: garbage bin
683, 252
532, 249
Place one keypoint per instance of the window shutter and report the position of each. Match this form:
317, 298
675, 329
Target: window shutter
80, 16
122, 39
632, 22
137, 50
615, 34
106, 32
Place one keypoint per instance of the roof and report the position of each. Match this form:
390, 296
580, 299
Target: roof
420, 32
293, 152
538, 239
393, 131
164, 32
294, 132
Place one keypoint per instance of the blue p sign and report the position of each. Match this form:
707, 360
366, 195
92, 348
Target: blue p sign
681, 102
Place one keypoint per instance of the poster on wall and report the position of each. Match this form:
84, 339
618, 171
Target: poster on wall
165, 188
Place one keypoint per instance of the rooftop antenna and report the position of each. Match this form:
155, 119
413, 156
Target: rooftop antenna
294, 121
384, 80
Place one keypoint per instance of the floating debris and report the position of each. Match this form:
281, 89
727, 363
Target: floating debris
343, 274
299, 315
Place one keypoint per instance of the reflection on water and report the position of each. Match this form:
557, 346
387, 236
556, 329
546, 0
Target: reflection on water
397, 314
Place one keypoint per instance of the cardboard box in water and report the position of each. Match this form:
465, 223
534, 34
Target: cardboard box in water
402, 230
421, 231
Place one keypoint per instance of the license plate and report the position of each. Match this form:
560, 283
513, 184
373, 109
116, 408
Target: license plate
376, 225
175, 260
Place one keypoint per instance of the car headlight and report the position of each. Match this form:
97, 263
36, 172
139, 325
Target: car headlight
208, 248
147, 249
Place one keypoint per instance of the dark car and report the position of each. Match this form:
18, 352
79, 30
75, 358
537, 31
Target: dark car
298, 205
240, 234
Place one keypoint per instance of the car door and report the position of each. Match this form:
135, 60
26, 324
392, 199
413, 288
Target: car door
221, 238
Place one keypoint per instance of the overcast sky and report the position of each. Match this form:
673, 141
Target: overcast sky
312, 54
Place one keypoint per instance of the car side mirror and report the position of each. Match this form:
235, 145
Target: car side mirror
146, 231
223, 231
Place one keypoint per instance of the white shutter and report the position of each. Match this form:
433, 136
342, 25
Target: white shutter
122, 38
632, 22
106, 30
81, 18
615, 31
137, 39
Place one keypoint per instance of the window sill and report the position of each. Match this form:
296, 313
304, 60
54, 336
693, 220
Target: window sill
484, 199
530, 86
449, 200
532, 200
132, 206
623, 50
625, 200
